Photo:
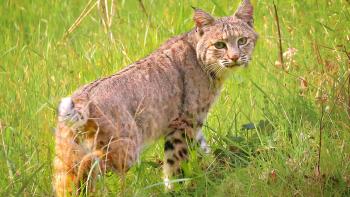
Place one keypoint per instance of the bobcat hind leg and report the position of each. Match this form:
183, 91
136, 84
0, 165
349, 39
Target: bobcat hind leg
68, 154
91, 165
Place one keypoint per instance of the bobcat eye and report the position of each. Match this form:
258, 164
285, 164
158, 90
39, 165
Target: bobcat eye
220, 45
242, 41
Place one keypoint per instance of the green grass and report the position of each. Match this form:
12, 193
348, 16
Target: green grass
278, 158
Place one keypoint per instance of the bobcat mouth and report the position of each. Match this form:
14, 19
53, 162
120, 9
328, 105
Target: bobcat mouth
233, 65
229, 64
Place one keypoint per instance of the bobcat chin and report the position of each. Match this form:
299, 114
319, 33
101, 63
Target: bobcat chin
167, 94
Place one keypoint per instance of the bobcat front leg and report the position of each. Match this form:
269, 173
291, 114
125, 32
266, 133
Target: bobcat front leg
202, 142
176, 148
176, 151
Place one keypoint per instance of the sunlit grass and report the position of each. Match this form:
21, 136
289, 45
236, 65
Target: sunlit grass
279, 158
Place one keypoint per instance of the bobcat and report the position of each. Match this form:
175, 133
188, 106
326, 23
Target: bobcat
167, 94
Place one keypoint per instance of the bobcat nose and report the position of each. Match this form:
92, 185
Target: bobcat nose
234, 57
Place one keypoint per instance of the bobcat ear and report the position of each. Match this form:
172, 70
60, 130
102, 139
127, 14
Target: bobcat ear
245, 12
202, 18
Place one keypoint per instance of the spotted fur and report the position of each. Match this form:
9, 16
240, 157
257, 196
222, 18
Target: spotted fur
167, 94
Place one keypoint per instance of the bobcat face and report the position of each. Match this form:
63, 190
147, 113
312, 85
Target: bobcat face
225, 43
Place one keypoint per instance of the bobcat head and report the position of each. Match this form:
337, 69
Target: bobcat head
227, 42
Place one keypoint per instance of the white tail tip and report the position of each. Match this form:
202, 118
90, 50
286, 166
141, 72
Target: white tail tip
69, 115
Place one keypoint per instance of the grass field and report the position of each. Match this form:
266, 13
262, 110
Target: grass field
274, 131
